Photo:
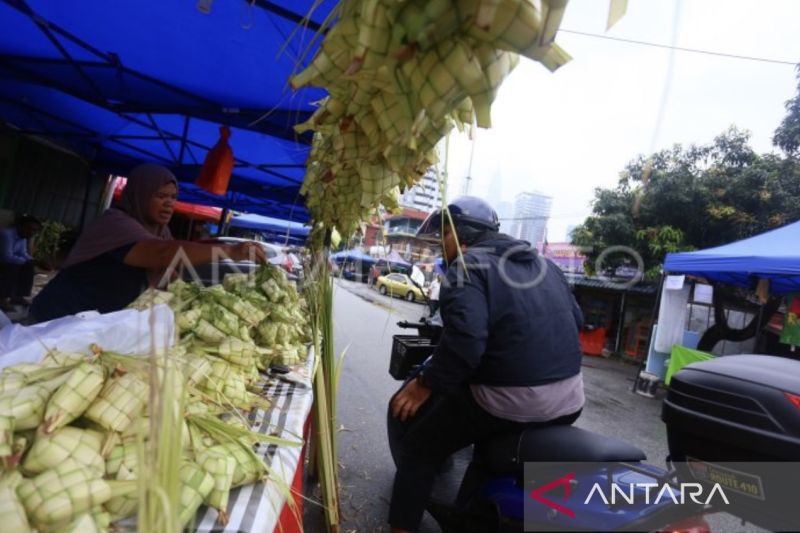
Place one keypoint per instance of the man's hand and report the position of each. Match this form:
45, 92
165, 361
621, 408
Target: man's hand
407, 402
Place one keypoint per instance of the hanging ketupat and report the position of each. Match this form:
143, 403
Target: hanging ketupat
403, 74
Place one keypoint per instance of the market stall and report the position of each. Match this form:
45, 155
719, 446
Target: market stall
319, 130
86, 77
772, 256
260, 374
275, 229
766, 266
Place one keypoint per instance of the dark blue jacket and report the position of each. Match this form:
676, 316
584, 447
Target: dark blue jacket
509, 320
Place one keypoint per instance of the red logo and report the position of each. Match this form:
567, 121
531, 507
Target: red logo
536, 494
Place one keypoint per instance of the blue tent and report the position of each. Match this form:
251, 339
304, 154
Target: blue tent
353, 256
125, 81
272, 226
774, 255
396, 259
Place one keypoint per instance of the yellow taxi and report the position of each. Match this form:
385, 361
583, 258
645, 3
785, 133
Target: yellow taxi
396, 284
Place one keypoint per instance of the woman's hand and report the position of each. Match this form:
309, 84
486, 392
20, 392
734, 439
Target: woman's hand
247, 251
158, 253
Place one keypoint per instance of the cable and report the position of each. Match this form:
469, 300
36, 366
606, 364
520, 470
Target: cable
681, 49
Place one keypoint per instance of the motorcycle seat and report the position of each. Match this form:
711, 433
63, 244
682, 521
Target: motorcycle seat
507, 454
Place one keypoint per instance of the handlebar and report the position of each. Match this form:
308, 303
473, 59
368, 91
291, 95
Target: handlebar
411, 325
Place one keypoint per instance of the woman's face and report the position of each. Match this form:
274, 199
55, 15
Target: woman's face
162, 204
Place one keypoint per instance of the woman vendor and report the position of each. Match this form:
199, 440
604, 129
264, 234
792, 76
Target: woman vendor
128, 249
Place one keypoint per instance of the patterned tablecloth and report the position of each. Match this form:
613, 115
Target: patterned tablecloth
257, 507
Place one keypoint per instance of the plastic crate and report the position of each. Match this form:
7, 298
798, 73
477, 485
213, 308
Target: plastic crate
407, 352
593, 342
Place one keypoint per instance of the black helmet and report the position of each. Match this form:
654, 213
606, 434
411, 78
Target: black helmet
471, 216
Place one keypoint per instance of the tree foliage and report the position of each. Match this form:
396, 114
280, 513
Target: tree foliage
688, 198
787, 136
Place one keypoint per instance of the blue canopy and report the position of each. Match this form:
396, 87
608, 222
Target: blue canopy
396, 258
271, 225
353, 256
124, 81
774, 255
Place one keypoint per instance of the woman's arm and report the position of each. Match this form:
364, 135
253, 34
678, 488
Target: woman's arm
157, 253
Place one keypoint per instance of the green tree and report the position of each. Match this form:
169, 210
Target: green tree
787, 136
688, 198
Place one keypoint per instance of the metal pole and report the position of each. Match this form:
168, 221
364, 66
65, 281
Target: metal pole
650, 334
621, 322
85, 207
108, 194
759, 327
223, 226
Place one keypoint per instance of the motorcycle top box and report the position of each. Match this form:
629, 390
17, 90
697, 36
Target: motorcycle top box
408, 351
735, 421
735, 408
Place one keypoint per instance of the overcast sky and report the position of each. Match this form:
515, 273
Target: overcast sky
563, 134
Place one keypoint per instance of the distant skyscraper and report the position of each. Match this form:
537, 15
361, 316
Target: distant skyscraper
531, 212
424, 196
495, 194
505, 211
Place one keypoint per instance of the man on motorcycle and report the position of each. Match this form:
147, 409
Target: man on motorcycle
509, 355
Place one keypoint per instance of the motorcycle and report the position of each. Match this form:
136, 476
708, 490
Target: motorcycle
487, 490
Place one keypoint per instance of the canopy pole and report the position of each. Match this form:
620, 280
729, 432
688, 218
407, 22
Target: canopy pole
85, 207
222, 229
654, 316
620, 322
759, 327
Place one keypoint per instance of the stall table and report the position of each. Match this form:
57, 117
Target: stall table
262, 506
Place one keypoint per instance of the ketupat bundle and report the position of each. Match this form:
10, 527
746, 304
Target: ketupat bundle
71, 483
123, 455
12, 513
249, 321
58, 496
400, 76
197, 485
125, 505
120, 401
68, 443
150, 298
26, 405
74, 396
222, 467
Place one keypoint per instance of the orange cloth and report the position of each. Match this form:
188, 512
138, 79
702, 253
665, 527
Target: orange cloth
216, 172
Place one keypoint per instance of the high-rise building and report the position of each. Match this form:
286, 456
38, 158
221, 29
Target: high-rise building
505, 212
531, 212
425, 195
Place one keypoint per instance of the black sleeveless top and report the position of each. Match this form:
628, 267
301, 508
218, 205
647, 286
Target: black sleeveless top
104, 283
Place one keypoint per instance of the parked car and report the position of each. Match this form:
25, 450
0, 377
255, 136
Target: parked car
397, 284
214, 273
294, 263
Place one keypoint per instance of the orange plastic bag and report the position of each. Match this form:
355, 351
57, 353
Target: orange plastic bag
216, 172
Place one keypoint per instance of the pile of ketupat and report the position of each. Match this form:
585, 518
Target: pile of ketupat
241, 326
74, 429
400, 75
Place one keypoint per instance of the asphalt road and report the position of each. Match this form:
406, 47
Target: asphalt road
365, 322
